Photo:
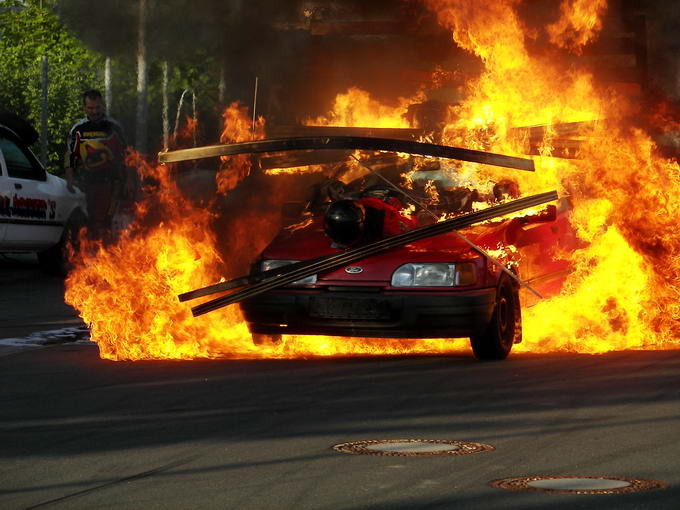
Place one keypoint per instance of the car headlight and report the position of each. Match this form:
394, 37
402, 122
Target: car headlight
273, 264
434, 275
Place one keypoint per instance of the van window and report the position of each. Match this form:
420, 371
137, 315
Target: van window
19, 163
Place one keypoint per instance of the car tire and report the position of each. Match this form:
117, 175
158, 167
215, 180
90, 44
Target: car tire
262, 339
57, 259
504, 328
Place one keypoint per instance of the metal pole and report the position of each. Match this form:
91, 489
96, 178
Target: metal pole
193, 105
166, 108
140, 139
108, 96
255, 102
222, 87
179, 111
44, 109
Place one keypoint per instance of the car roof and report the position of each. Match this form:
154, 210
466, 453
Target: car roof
19, 127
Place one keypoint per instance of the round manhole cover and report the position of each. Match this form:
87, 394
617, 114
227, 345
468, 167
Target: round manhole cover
412, 447
578, 484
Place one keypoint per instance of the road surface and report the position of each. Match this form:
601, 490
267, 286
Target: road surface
81, 432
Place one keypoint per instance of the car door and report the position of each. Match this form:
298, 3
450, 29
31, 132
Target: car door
30, 225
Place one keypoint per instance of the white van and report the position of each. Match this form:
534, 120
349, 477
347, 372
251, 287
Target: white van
37, 212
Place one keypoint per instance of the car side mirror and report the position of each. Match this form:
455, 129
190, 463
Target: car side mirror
548, 215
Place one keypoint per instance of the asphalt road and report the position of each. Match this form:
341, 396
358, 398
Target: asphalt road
31, 301
81, 432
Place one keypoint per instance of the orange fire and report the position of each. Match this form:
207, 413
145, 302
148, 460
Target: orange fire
624, 291
238, 127
127, 291
623, 294
579, 23
356, 108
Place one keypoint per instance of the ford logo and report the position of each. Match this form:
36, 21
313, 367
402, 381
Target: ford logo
354, 270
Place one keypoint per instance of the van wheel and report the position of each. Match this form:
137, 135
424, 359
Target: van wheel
504, 328
57, 259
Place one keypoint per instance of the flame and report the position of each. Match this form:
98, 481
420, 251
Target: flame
238, 127
579, 23
126, 289
296, 170
356, 108
624, 292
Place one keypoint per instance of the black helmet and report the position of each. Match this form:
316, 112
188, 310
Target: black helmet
344, 222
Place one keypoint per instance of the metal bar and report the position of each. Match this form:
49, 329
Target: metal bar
248, 279
166, 107
108, 94
302, 270
142, 81
348, 142
255, 103
44, 108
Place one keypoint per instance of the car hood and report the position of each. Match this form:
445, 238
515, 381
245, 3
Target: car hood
307, 240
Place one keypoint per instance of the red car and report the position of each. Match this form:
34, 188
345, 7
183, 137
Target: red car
437, 287
355, 265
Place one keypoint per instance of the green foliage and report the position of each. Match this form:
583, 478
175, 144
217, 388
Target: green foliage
200, 74
27, 32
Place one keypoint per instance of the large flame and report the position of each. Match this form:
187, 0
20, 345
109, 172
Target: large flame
624, 292
356, 108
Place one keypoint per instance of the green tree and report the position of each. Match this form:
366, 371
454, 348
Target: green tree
28, 30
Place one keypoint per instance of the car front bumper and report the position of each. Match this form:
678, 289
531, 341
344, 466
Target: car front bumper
365, 314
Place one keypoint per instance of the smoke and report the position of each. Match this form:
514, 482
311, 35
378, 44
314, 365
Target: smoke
386, 47
664, 45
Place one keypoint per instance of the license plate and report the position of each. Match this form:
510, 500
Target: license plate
349, 309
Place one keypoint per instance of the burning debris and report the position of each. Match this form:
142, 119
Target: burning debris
623, 291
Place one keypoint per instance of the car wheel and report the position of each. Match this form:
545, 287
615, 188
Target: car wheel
262, 339
504, 328
56, 260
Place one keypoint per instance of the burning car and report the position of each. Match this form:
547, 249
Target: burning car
369, 258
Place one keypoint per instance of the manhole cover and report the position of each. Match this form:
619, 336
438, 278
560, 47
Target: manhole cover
412, 447
578, 484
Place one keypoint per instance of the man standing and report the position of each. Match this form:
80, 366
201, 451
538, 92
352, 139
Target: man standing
96, 160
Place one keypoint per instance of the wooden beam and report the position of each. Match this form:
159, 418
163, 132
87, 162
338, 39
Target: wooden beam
348, 143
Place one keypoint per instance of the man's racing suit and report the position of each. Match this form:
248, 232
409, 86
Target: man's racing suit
95, 152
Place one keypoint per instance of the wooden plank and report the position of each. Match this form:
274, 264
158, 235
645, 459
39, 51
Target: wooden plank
348, 143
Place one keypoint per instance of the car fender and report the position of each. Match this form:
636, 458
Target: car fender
67, 202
